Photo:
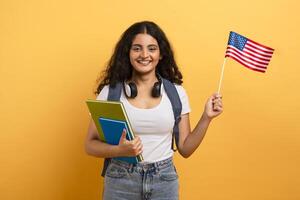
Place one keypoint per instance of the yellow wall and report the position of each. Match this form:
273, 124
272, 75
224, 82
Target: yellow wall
51, 53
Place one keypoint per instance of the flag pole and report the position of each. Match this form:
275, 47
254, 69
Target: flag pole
222, 73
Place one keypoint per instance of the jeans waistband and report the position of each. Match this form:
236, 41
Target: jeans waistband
145, 166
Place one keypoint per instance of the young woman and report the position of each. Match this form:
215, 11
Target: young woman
141, 57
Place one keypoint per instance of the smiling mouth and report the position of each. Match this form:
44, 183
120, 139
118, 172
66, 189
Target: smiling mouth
144, 62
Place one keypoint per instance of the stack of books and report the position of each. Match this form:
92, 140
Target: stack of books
111, 119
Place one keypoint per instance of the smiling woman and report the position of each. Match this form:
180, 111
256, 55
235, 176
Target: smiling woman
144, 53
142, 62
131, 44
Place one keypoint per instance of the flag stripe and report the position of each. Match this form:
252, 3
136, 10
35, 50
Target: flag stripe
261, 45
248, 47
247, 60
257, 55
248, 66
254, 56
241, 53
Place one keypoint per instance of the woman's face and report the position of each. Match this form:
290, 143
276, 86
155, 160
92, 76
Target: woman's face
144, 53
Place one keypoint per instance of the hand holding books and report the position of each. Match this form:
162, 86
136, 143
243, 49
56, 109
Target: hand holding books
114, 128
130, 147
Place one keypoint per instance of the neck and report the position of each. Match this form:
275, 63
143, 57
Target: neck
144, 79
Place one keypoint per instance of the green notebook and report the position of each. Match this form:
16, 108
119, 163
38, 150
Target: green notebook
110, 119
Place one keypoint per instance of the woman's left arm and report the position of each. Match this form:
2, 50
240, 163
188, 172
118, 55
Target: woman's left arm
189, 141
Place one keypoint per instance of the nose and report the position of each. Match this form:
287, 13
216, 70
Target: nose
144, 54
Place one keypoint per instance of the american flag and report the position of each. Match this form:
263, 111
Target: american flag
249, 53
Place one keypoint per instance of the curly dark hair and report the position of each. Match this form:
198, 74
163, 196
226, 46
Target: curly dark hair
119, 68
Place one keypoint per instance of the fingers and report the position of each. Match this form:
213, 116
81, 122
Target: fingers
130, 147
217, 102
217, 96
214, 106
137, 145
133, 147
123, 136
138, 149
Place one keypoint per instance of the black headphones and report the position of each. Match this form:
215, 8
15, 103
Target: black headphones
131, 91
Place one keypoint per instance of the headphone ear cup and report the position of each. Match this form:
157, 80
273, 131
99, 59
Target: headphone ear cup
130, 90
156, 90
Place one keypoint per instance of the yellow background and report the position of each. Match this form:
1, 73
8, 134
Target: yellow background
51, 53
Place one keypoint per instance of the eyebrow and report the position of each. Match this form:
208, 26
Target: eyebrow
139, 45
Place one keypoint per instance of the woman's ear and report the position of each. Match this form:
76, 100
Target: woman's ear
160, 57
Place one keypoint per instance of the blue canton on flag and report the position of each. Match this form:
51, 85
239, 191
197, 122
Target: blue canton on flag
237, 40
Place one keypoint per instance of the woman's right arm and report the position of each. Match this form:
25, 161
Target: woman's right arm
95, 147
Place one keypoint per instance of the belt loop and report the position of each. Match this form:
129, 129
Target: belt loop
157, 167
130, 168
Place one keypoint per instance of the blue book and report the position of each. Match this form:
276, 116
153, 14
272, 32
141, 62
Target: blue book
112, 130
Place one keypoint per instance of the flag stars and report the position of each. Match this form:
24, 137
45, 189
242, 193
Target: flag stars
237, 40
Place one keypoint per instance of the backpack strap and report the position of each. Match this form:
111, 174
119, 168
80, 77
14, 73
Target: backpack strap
114, 94
176, 106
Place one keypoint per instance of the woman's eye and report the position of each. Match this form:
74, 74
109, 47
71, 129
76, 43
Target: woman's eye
136, 48
152, 49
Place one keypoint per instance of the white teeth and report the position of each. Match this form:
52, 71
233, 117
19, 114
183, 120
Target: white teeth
144, 62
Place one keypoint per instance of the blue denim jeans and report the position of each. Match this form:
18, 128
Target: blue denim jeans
151, 181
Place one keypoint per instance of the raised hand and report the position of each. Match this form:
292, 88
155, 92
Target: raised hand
213, 106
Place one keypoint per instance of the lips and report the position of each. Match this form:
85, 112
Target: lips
144, 62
